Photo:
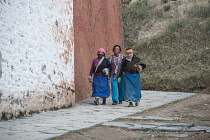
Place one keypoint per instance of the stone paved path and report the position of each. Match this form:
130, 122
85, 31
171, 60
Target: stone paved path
55, 123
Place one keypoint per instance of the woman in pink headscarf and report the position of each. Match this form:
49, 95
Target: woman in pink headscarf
100, 69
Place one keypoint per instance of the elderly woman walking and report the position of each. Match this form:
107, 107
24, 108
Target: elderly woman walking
116, 61
131, 66
100, 85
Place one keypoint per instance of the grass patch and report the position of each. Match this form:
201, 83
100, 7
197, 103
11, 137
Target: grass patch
207, 27
199, 12
134, 16
178, 59
189, 117
160, 107
175, 26
164, 1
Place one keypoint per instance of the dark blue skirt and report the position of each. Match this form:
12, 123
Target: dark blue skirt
131, 87
100, 86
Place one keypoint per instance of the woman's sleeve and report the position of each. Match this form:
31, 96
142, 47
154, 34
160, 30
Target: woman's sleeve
110, 58
122, 68
109, 66
142, 64
92, 68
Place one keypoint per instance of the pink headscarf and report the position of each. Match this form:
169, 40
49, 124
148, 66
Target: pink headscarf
102, 50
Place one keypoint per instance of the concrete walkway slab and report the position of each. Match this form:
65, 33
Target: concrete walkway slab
171, 124
162, 128
177, 135
150, 126
199, 128
84, 115
151, 118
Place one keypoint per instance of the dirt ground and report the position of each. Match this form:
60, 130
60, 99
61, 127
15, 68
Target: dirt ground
194, 110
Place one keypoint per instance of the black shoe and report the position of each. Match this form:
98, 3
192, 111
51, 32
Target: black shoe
114, 103
96, 102
104, 102
136, 104
120, 102
130, 104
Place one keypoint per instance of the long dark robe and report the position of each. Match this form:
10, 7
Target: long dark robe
131, 85
100, 85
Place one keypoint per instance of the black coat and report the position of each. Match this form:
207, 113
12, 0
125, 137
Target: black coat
105, 64
130, 69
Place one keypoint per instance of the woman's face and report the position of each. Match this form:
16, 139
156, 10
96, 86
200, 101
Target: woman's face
99, 52
116, 50
129, 56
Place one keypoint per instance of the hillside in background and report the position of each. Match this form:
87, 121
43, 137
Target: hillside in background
173, 38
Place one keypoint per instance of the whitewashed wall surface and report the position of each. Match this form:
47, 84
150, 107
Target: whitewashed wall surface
37, 56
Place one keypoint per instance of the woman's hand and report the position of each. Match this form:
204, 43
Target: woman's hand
103, 71
138, 67
106, 71
119, 79
90, 79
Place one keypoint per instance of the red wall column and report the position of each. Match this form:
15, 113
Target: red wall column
97, 24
